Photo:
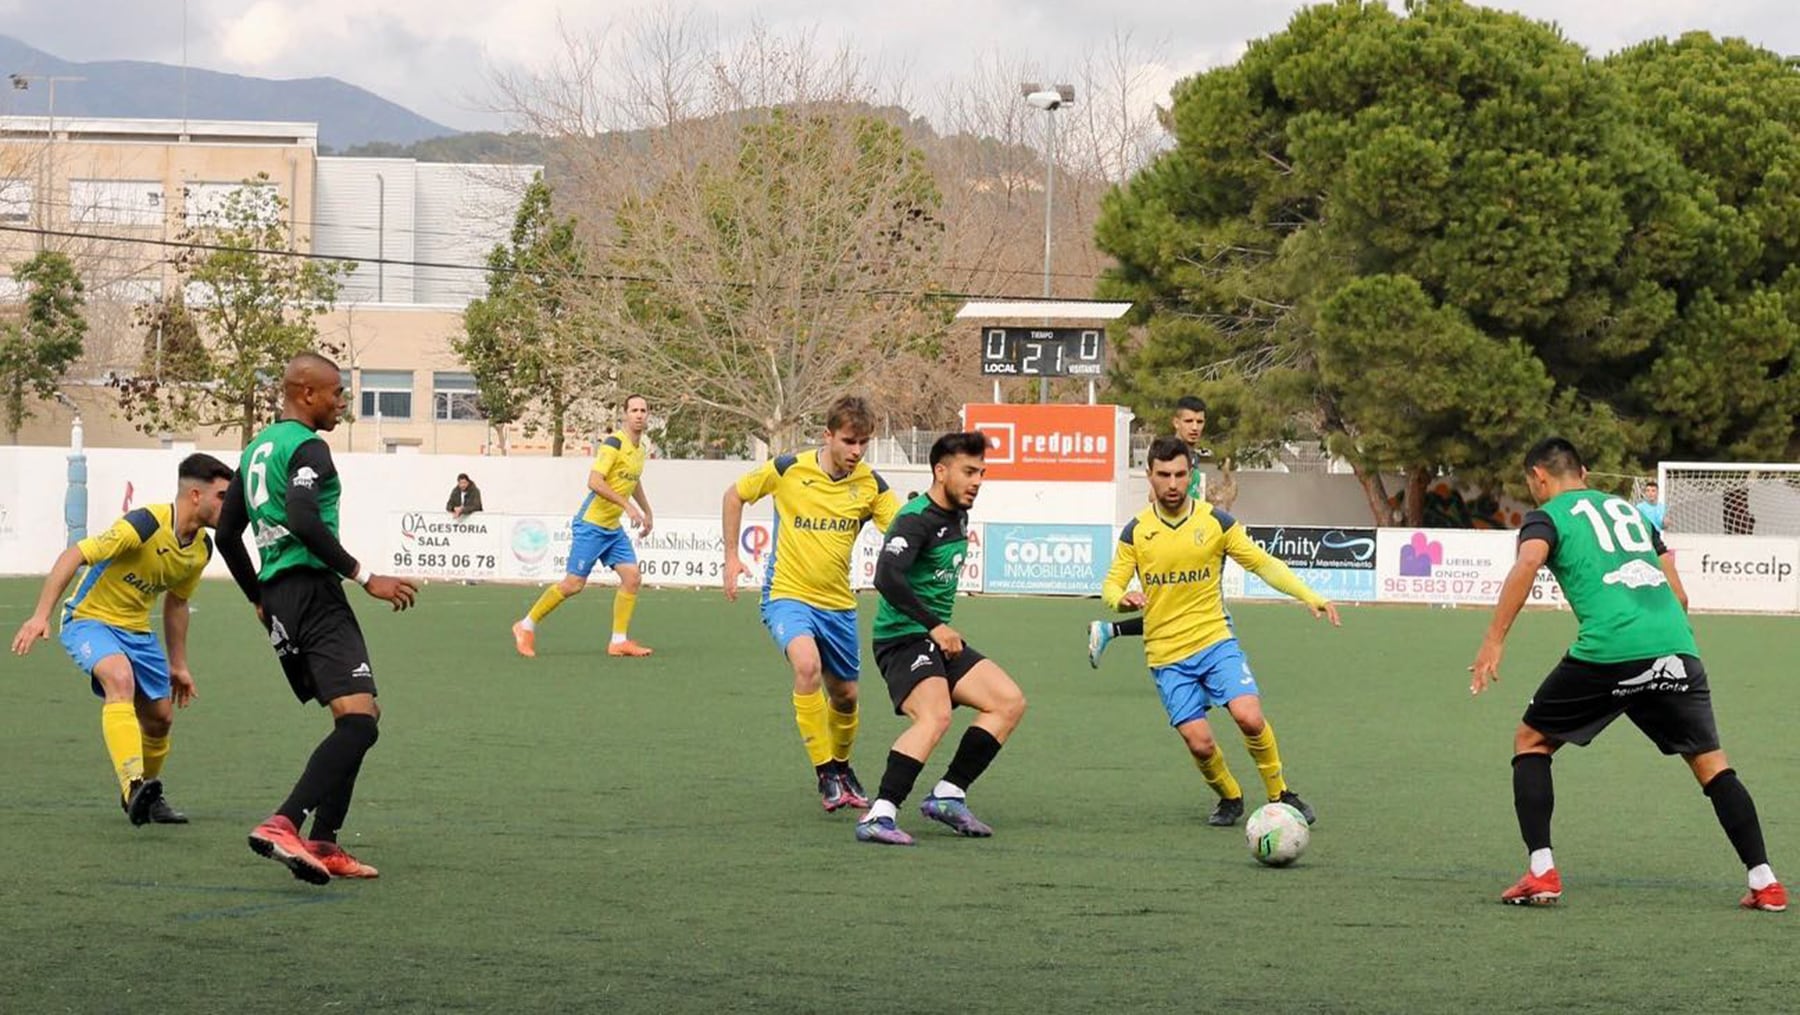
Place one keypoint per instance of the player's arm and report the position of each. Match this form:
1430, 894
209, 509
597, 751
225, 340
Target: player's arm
234, 518
1535, 541
898, 553
1666, 557
1241, 548
37, 626
311, 465
643, 502
886, 507
751, 487
175, 628
127, 533
1113, 591
175, 632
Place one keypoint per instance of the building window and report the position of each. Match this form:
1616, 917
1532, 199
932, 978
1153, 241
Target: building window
15, 200
204, 204
453, 397
389, 391
116, 202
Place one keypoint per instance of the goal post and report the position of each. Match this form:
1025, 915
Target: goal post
1730, 498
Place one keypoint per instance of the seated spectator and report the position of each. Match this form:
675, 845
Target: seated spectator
465, 497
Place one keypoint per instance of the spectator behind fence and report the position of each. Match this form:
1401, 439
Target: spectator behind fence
465, 497
1651, 506
1738, 519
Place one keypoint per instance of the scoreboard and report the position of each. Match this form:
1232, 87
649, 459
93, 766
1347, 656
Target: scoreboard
1043, 352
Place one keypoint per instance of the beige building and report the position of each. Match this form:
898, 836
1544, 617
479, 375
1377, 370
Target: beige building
119, 195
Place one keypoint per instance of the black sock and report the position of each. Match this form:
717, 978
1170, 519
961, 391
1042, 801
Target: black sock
973, 756
897, 781
1133, 628
336, 806
1737, 815
338, 754
1534, 797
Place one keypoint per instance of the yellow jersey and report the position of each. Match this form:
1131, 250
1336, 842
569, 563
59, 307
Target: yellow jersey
1179, 564
132, 563
621, 462
817, 519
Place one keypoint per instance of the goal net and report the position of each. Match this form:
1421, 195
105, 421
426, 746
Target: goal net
1753, 499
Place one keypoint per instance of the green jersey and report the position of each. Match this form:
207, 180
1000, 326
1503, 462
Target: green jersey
282, 456
1607, 560
918, 568
1195, 480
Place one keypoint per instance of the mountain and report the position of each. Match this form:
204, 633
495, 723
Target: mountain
346, 115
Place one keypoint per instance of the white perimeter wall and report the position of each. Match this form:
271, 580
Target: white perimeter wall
1033, 537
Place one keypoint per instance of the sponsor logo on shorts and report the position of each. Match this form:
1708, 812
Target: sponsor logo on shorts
923, 660
362, 672
278, 637
1666, 674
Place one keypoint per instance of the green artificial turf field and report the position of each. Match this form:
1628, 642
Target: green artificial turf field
581, 833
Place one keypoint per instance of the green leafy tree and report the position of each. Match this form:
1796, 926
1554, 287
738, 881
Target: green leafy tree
173, 348
529, 344
763, 282
1426, 238
254, 304
39, 340
1720, 381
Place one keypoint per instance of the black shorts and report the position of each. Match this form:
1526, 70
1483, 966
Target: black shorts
316, 636
908, 662
1666, 697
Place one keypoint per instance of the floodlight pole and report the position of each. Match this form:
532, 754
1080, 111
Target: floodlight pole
21, 82
1049, 220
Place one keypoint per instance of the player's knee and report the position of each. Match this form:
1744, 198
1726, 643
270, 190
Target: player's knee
808, 675
934, 721
362, 726
631, 580
843, 696
1201, 745
572, 585
1012, 706
1529, 741
154, 725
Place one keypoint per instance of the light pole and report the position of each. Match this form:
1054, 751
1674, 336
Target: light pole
1049, 100
22, 82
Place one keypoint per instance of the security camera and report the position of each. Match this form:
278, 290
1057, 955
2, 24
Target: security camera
1047, 98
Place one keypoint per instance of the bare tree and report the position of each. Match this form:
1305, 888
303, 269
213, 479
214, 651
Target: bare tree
654, 120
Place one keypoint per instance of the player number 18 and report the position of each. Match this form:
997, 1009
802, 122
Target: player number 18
1627, 529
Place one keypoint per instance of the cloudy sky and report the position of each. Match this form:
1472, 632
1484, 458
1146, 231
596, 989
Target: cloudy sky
437, 56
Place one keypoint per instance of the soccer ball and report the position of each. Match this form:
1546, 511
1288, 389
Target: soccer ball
1277, 834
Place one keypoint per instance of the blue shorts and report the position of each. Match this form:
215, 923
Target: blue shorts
89, 641
833, 630
1212, 676
590, 544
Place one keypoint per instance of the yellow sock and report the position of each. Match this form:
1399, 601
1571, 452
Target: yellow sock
1268, 760
843, 732
124, 741
1218, 775
623, 604
550, 600
809, 715
156, 750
